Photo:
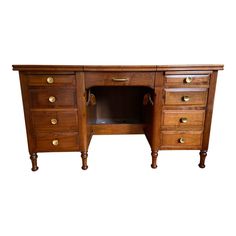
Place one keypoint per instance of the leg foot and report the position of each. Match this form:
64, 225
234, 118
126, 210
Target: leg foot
33, 158
203, 155
84, 156
154, 159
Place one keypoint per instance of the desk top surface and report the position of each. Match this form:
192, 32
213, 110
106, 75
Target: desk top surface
117, 67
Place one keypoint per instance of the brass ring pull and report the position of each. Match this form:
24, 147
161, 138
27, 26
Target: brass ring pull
188, 80
185, 98
55, 142
183, 120
120, 79
53, 121
50, 80
52, 99
181, 140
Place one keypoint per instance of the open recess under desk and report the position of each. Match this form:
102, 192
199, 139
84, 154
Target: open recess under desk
65, 106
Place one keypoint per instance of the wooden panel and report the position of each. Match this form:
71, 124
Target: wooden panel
118, 129
28, 123
176, 97
191, 139
187, 80
209, 111
55, 120
63, 98
66, 142
183, 118
51, 80
112, 79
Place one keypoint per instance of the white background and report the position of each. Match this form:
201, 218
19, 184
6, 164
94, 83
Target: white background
119, 194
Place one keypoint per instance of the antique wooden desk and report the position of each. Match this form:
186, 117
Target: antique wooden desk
65, 106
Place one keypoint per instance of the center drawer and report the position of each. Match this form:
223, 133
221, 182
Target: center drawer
182, 96
119, 79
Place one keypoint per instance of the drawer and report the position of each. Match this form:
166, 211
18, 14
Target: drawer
183, 118
51, 80
187, 80
185, 96
57, 142
181, 139
119, 79
52, 98
55, 120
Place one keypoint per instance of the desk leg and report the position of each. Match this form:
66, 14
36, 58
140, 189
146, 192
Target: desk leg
203, 155
33, 158
84, 156
154, 159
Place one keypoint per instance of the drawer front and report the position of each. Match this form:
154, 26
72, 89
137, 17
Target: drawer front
189, 80
52, 98
182, 118
51, 80
119, 79
181, 139
185, 97
57, 142
55, 120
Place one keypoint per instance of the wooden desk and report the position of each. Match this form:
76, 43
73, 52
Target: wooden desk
65, 106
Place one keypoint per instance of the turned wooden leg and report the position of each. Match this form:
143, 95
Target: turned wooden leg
154, 159
33, 158
203, 155
84, 156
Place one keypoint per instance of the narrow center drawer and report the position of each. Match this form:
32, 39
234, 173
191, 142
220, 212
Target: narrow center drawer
119, 79
186, 96
55, 120
183, 118
52, 98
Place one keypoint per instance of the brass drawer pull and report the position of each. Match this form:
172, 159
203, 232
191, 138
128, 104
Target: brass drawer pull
55, 142
185, 98
50, 80
183, 120
52, 99
188, 80
181, 140
120, 79
53, 121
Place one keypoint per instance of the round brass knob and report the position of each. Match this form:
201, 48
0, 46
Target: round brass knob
185, 98
181, 140
52, 99
183, 120
55, 142
50, 80
53, 121
188, 80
